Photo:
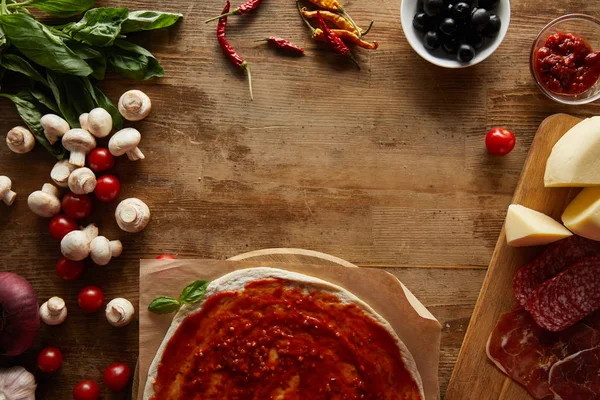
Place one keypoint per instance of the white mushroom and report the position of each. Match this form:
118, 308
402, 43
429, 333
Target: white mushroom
83, 121
54, 127
132, 215
102, 250
79, 142
45, 202
76, 244
119, 312
126, 141
60, 173
134, 105
20, 140
82, 181
99, 122
6, 194
54, 311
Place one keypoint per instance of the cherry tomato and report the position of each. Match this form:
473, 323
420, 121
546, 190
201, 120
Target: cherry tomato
100, 159
165, 257
77, 206
60, 225
90, 299
86, 390
500, 141
116, 377
108, 188
50, 359
69, 270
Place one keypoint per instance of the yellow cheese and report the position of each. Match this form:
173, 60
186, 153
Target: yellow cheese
575, 158
527, 227
582, 216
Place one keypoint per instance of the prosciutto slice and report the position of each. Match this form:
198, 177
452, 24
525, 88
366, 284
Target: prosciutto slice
577, 377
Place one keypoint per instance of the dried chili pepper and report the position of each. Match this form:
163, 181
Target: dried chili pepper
243, 9
283, 44
336, 43
353, 38
229, 51
335, 6
339, 20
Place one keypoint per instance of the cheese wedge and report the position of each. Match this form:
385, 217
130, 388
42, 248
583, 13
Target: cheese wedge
575, 158
527, 227
582, 216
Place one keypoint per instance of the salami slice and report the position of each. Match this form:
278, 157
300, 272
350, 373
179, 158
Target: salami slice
568, 297
526, 352
557, 257
577, 377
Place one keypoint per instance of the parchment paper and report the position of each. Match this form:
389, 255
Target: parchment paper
413, 323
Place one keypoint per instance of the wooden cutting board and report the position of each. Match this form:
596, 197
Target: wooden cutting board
475, 377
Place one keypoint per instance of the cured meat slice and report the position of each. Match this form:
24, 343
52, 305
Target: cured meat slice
526, 352
568, 297
577, 376
557, 257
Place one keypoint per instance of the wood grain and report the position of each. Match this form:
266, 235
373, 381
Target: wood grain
475, 375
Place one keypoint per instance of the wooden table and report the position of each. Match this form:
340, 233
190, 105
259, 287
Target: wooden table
384, 167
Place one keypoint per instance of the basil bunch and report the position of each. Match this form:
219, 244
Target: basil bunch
64, 62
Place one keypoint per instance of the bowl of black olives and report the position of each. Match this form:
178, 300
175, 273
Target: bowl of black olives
455, 33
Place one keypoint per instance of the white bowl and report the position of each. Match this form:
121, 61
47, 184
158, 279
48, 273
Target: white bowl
408, 9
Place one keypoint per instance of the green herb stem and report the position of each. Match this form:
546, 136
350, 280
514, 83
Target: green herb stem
4, 8
19, 5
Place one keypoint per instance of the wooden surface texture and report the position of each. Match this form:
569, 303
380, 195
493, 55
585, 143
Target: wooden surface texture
383, 167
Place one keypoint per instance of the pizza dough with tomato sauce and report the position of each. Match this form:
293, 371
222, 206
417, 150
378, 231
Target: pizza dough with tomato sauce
264, 333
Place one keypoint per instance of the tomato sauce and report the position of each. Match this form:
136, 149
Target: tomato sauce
275, 340
566, 64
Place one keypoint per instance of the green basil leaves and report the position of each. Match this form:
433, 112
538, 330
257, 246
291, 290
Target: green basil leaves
192, 293
133, 61
99, 26
145, 20
62, 8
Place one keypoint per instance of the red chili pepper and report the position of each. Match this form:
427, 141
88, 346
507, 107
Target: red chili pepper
283, 44
243, 9
336, 43
228, 50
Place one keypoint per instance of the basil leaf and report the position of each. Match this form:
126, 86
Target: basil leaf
145, 20
133, 61
46, 100
31, 112
18, 64
193, 292
163, 305
41, 46
99, 67
104, 102
62, 8
99, 26
74, 96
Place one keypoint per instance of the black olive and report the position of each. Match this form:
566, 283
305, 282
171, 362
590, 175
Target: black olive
433, 7
493, 27
488, 4
449, 44
475, 39
448, 26
465, 53
480, 19
421, 22
431, 40
461, 11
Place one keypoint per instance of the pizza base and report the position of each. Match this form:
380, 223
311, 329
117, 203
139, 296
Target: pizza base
237, 280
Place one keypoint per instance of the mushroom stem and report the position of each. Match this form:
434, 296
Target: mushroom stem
135, 154
9, 198
132, 215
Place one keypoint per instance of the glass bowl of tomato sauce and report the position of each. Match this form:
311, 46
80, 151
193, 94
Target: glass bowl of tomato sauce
565, 59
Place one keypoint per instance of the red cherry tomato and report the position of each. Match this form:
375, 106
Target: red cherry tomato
50, 359
100, 159
116, 377
69, 270
90, 299
60, 225
77, 206
86, 390
108, 188
500, 141
165, 257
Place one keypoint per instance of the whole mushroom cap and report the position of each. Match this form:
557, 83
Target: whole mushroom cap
134, 105
132, 215
99, 122
75, 245
45, 202
20, 140
123, 141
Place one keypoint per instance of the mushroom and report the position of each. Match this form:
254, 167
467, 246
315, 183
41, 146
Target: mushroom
45, 202
126, 141
134, 105
132, 215
6, 195
119, 312
54, 127
99, 122
60, 173
102, 250
20, 140
75, 246
79, 142
83, 121
82, 181
54, 311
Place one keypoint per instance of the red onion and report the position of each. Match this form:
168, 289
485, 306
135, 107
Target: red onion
19, 315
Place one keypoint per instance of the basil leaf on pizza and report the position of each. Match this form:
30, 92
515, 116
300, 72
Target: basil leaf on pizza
193, 292
164, 305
